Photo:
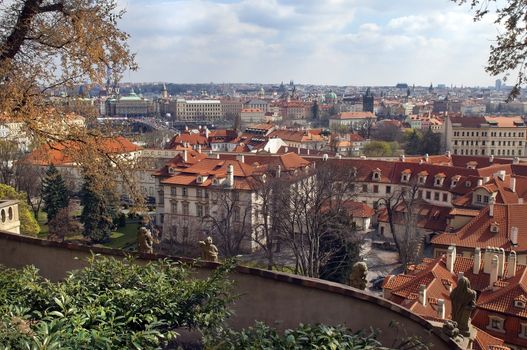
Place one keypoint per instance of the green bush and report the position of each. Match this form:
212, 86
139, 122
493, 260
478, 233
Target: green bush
262, 337
111, 304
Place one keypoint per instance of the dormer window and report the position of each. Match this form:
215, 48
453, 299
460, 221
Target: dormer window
422, 177
439, 179
472, 165
171, 170
405, 175
200, 179
494, 227
468, 184
376, 175
496, 323
454, 181
519, 304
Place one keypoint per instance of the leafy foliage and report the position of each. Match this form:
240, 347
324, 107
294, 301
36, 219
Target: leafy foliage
381, 149
423, 143
111, 304
304, 337
508, 51
54, 192
28, 224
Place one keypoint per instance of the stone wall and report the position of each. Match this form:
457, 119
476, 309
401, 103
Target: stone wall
278, 299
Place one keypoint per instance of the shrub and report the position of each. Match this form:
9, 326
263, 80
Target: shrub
111, 304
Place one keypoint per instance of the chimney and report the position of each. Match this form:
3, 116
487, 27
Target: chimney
491, 207
426, 157
402, 158
451, 258
511, 267
185, 155
515, 160
307, 151
486, 179
487, 260
338, 156
460, 275
480, 182
514, 236
477, 261
449, 155
501, 262
441, 308
278, 170
199, 148
241, 158
494, 271
206, 132
422, 294
501, 175
286, 149
491, 158
513, 184
230, 176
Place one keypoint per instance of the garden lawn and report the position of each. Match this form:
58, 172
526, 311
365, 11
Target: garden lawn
124, 237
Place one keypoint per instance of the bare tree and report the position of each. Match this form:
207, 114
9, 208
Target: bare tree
311, 210
230, 221
9, 154
402, 209
28, 179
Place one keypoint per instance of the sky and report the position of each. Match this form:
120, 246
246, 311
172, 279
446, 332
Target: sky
328, 42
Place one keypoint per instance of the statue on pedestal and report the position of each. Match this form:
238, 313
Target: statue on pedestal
358, 275
463, 302
209, 251
145, 240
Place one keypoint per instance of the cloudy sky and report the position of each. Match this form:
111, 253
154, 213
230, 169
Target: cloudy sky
342, 42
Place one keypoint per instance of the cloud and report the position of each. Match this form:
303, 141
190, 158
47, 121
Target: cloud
352, 42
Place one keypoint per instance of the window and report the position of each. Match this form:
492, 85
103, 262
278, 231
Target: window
235, 196
185, 209
198, 192
173, 207
375, 188
388, 189
445, 197
199, 210
436, 196
364, 188
173, 191
185, 233
428, 195
485, 199
523, 330
496, 324
185, 192
478, 198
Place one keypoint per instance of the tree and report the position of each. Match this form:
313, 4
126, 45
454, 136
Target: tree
63, 225
431, 143
387, 132
9, 154
54, 192
413, 143
378, 149
55, 45
28, 179
309, 210
315, 111
28, 224
509, 50
402, 209
230, 226
99, 209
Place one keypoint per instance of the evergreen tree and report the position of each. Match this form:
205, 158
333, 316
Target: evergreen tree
54, 192
431, 143
99, 209
413, 143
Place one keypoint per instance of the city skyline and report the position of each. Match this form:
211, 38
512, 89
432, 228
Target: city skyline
345, 43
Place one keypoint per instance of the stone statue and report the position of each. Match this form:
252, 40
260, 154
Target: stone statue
208, 250
358, 275
463, 302
145, 241
450, 328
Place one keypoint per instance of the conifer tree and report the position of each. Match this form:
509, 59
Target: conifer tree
99, 209
54, 192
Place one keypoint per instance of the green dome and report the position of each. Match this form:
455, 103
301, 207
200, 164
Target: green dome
331, 96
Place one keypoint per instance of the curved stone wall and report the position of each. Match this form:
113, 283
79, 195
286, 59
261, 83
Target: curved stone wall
278, 299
